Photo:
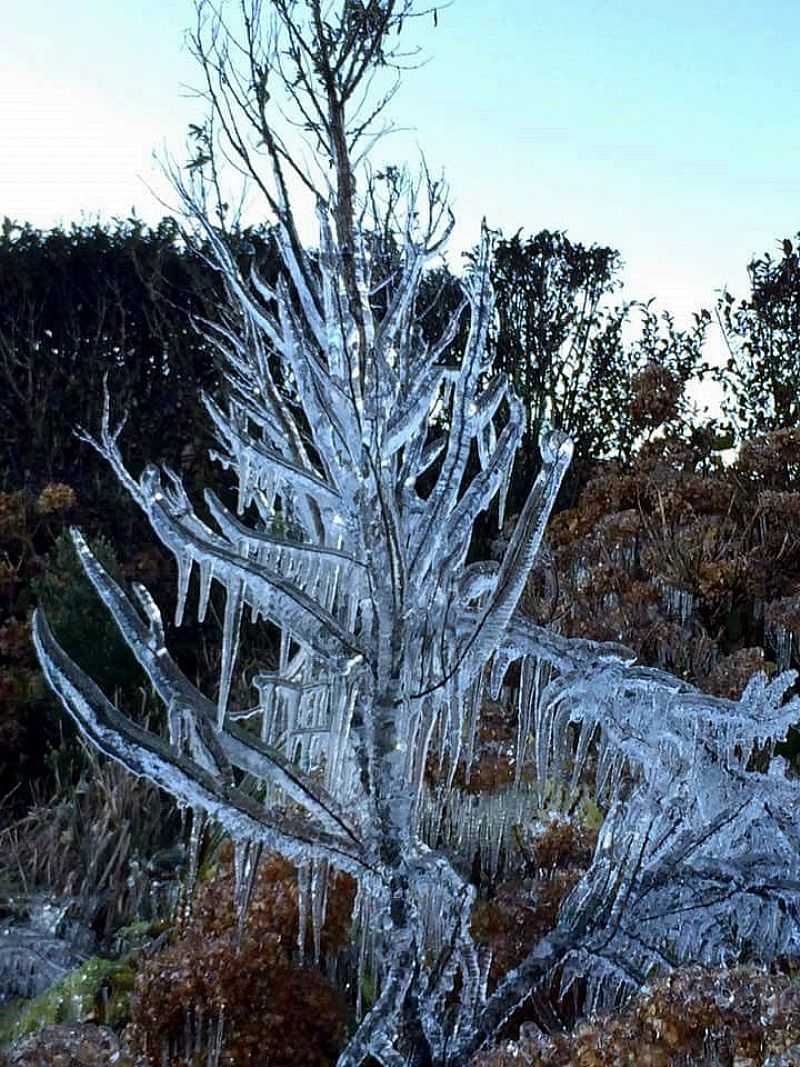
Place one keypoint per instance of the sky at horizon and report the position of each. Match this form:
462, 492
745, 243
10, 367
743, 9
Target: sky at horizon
669, 132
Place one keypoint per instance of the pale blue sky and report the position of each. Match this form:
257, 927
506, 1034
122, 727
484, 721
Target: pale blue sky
670, 131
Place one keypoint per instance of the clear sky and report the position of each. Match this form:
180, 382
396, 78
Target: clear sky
668, 130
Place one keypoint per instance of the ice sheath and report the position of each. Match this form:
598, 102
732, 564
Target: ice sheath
363, 455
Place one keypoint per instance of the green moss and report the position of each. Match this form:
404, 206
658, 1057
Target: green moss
137, 935
97, 991
558, 797
589, 814
9, 1016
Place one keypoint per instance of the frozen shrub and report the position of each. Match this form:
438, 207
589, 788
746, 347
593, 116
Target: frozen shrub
378, 448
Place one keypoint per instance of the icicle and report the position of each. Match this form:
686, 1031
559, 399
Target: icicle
501, 661
781, 640
184, 560
284, 652
200, 1038
216, 1035
491, 436
266, 699
319, 895
312, 578
341, 717
679, 603
246, 857
230, 645
199, 822
543, 730
617, 767
206, 573
189, 1036
292, 698
586, 732
524, 703
303, 901
483, 448
427, 726
175, 725
485, 957
473, 721
363, 919
333, 588
455, 699
246, 486
504, 487
562, 736
496, 846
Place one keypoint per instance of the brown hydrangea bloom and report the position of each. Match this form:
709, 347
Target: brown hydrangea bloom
612, 490
273, 1010
274, 907
680, 499
692, 1016
620, 526
785, 507
716, 579
561, 844
667, 457
731, 674
518, 917
523, 912
12, 513
70, 1045
655, 394
772, 456
490, 772
55, 497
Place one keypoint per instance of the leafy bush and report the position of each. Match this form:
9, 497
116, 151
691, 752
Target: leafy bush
80, 621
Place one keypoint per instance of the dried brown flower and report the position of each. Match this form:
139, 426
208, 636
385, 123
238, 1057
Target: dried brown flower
655, 393
771, 455
274, 1010
731, 674
55, 497
522, 912
12, 513
693, 1015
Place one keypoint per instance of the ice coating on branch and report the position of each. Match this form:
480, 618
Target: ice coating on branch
359, 456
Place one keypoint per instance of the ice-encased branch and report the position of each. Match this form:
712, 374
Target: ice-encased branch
487, 633
146, 755
267, 591
241, 748
268, 463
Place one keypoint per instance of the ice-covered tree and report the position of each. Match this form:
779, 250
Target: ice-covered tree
381, 447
